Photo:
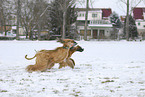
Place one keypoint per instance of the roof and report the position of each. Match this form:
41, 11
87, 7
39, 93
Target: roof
106, 12
138, 12
90, 9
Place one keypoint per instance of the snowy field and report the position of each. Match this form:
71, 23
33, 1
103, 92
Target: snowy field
104, 69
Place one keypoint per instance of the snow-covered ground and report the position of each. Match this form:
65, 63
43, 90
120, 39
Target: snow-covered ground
104, 69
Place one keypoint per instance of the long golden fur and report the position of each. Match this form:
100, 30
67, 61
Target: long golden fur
46, 58
69, 61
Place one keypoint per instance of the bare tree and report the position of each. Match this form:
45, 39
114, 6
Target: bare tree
64, 5
33, 16
6, 10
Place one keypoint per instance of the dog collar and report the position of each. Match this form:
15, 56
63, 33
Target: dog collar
65, 47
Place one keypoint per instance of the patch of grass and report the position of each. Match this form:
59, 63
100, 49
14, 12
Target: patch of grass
142, 89
55, 91
115, 78
135, 67
112, 91
106, 78
3, 91
65, 90
119, 87
131, 81
43, 89
107, 81
23, 79
141, 82
76, 93
85, 65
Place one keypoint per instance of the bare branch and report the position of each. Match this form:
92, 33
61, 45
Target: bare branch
135, 5
138, 3
123, 2
44, 11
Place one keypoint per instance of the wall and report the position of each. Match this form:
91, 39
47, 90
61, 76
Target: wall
81, 15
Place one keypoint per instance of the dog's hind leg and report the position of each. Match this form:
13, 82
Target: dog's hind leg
50, 65
39, 66
32, 68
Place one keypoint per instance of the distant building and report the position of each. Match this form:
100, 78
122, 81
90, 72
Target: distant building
99, 25
139, 16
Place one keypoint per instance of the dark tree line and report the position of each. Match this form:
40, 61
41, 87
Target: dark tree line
116, 22
56, 18
38, 15
6, 14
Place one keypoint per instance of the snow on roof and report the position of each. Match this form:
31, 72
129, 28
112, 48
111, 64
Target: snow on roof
14, 27
101, 25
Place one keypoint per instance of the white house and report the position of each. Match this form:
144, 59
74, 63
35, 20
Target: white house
139, 16
99, 26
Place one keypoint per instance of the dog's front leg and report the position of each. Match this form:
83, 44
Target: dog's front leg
70, 63
62, 64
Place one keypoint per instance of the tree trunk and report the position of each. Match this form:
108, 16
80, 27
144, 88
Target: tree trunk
86, 20
18, 19
39, 30
64, 20
127, 22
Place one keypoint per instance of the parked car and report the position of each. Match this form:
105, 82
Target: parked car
9, 36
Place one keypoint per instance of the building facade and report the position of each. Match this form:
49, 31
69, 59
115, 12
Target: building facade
99, 25
139, 16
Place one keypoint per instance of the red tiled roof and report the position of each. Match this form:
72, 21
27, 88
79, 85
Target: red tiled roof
138, 13
106, 12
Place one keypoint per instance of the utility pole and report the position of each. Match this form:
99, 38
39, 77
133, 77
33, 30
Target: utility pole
127, 22
86, 20
18, 19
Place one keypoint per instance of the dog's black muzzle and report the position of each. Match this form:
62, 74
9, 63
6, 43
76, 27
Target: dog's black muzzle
80, 49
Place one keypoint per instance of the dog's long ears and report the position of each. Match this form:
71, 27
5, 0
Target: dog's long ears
60, 40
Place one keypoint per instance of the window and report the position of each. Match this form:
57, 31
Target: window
144, 26
94, 15
81, 14
138, 23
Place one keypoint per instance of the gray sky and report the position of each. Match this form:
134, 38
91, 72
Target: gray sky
115, 5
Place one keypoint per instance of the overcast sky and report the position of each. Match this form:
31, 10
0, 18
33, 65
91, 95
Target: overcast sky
115, 5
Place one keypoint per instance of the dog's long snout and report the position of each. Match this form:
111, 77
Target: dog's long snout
82, 50
75, 43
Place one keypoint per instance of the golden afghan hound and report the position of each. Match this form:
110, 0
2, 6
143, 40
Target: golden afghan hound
45, 59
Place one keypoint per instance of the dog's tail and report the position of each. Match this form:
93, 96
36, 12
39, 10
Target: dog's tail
29, 58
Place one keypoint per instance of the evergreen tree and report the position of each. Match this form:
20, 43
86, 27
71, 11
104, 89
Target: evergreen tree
56, 18
132, 28
116, 22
